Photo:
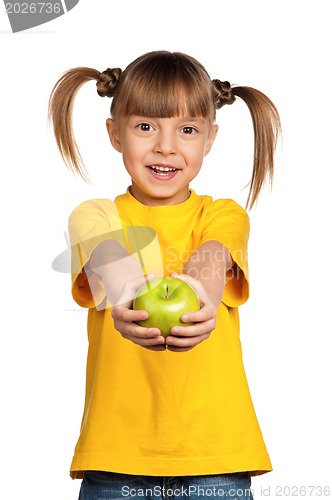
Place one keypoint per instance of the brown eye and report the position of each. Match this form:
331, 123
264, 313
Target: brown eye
189, 130
145, 127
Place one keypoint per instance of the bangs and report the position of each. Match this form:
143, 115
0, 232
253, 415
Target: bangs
166, 99
165, 85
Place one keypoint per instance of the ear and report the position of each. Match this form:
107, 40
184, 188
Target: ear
113, 134
211, 138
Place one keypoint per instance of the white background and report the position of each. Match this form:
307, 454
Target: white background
280, 47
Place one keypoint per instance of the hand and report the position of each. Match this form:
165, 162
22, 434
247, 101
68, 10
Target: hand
184, 338
124, 319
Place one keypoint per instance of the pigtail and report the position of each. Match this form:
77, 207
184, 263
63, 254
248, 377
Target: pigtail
60, 109
267, 127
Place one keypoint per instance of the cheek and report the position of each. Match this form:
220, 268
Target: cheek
134, 149
133, 158
128, 153
196, 152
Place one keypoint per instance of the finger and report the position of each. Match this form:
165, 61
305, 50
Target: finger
181, 343
122, 313
143, 338
155, 342
195, 284
137, 332
194, 330
155, 347
206, 313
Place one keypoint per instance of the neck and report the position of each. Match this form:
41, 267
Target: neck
157, 201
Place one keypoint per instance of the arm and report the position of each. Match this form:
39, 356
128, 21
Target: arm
206, 273
108, 270
111, 264
121, 275
209, 265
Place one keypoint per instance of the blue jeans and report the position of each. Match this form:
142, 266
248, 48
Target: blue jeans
112, 486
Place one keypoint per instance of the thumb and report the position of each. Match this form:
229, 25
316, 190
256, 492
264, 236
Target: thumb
195, 284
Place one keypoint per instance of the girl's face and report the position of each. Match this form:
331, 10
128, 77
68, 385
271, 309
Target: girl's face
161, 155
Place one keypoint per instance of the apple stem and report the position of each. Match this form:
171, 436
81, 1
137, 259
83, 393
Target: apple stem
167, 296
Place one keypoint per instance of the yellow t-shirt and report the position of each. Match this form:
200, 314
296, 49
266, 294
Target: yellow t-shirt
165, 413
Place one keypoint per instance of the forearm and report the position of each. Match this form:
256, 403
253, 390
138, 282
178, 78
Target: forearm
209, 265
112, 265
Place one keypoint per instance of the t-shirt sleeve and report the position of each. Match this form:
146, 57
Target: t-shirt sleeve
228, 223
89, 224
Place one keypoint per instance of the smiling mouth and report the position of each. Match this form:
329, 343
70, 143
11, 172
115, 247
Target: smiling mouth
162, 172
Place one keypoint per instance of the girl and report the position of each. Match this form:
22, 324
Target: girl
157, 422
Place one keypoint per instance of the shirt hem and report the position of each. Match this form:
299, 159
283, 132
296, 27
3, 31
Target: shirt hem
179, 467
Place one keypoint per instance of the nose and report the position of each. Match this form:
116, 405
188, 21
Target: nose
165, 143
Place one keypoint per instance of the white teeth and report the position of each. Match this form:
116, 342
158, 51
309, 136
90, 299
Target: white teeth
158, 168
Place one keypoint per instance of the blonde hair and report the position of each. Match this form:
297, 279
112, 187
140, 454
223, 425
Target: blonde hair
165, 84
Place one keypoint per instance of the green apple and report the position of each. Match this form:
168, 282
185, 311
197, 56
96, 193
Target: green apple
166, 300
